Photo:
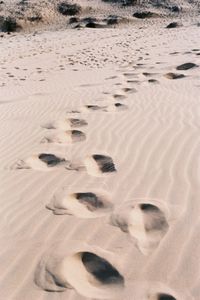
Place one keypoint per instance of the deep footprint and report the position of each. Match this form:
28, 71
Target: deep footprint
145, 222
101, 269
89, 274
82, 205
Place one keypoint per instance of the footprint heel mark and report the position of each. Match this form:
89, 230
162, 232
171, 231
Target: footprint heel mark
67, 137
146, 222
82, 205
48, 278
98, 165
88, 273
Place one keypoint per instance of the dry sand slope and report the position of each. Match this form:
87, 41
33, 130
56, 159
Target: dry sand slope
100, 181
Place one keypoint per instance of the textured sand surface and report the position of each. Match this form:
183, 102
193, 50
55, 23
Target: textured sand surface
100, 182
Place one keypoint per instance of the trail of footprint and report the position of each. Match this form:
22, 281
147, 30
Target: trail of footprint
82, 204
67, 137
116, 107
146, 222
89, 273
95, 165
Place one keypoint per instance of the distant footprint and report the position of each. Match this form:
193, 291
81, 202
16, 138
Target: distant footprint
91, 275
66, 124
82, 205
67, 137
129, 90
174, 76
110, 108
146, 222
130, 75
186, 66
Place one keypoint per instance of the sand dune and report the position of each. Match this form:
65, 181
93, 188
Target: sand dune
100, 163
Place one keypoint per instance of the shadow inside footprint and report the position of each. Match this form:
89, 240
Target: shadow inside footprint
105, 163
91, 275
95, 107
165, 297
161, 296
90, 200
50, 160
101, 269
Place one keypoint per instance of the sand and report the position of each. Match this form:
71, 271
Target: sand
100, 164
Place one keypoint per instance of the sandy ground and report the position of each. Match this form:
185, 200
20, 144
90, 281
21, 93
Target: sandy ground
100, 164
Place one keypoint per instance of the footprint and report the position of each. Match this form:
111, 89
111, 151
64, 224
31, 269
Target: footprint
129, 90
67, 137
95, 107
110, 108
66, 124
98, 165
91, 275
130, 75
155, 81
174, 76
146, 222
186, 66
119, 96
42, 161
82, 205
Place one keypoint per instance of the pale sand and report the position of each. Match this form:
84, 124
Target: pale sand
138, 206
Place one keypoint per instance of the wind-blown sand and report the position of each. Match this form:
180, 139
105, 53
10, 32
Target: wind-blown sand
100, 182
